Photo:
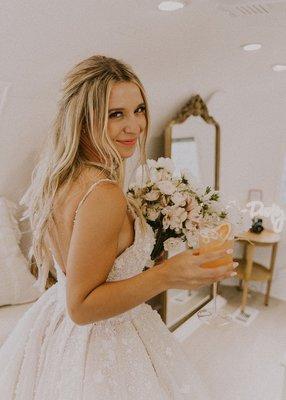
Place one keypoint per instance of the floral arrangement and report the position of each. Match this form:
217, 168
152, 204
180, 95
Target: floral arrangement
179, 209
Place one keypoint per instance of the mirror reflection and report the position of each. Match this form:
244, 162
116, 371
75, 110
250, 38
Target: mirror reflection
192, 141
193, 147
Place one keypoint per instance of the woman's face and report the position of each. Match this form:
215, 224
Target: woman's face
126, 116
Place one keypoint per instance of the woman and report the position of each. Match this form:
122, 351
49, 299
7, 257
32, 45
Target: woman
91, 335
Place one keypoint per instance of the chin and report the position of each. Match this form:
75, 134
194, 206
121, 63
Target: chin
123, 156
126, 154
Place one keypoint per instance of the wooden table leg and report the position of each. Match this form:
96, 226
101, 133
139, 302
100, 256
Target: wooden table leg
249, 251
266, 299
272, 262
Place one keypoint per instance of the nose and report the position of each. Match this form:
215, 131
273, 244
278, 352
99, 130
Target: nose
133, 125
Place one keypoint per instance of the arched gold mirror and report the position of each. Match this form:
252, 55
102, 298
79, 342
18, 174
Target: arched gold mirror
192, 143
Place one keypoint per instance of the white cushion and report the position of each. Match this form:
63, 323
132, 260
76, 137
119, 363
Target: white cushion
15, 278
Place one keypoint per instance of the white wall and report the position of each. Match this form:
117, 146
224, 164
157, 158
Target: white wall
253, 147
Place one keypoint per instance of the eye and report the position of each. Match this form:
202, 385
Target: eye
114, 114
142, 107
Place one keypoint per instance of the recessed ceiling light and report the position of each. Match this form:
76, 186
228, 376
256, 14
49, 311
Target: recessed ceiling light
170, 5
252, 46
279, 67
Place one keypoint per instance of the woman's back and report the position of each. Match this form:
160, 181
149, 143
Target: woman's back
64, 208
68, 200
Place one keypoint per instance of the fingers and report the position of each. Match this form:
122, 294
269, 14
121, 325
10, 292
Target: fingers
230, 272
222, 271
214, 255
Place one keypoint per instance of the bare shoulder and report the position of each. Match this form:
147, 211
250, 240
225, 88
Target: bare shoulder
94, 241
100, 190
86, 178
101, 200
70, 194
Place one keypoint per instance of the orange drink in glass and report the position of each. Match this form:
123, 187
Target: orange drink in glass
223, 240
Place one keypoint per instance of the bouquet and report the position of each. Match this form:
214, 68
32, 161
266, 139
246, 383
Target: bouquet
179, 209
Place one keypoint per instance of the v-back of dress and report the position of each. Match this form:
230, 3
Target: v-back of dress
131, 356
119, 271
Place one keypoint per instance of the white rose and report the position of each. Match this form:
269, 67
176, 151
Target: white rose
174, 217
159, 175
163, 175
153, 214
194, 212
179, 199
167, 163
153, 195
154, 175
151, 163
166, 187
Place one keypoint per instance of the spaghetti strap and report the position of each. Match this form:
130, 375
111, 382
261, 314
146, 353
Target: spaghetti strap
87, 193
130, 208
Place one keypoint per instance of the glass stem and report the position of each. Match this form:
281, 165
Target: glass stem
214, 297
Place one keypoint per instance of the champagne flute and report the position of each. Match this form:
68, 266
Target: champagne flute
224, 240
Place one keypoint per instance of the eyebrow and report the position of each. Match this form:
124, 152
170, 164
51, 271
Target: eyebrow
121, 109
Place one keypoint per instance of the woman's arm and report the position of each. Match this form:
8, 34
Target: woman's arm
113, 298
92, 253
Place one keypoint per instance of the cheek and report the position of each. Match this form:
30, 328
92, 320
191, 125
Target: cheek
113, 130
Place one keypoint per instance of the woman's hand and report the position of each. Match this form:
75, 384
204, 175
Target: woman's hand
185, 271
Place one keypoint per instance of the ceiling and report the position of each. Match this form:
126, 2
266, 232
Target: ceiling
41, 40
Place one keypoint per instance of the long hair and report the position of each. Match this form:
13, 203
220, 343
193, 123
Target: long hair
79, 127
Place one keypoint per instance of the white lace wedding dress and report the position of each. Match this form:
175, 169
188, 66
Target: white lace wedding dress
130, 356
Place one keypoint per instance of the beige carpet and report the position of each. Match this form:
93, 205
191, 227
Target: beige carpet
242, 362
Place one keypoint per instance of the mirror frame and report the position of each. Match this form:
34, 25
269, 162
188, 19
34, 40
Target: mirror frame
194, 107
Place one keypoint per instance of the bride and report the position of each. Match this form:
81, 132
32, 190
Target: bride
91, 335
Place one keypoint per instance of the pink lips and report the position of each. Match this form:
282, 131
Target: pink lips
127, 142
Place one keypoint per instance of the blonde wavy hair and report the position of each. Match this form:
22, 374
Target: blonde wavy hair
79, 125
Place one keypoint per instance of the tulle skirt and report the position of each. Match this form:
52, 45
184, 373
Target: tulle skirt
130, 356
